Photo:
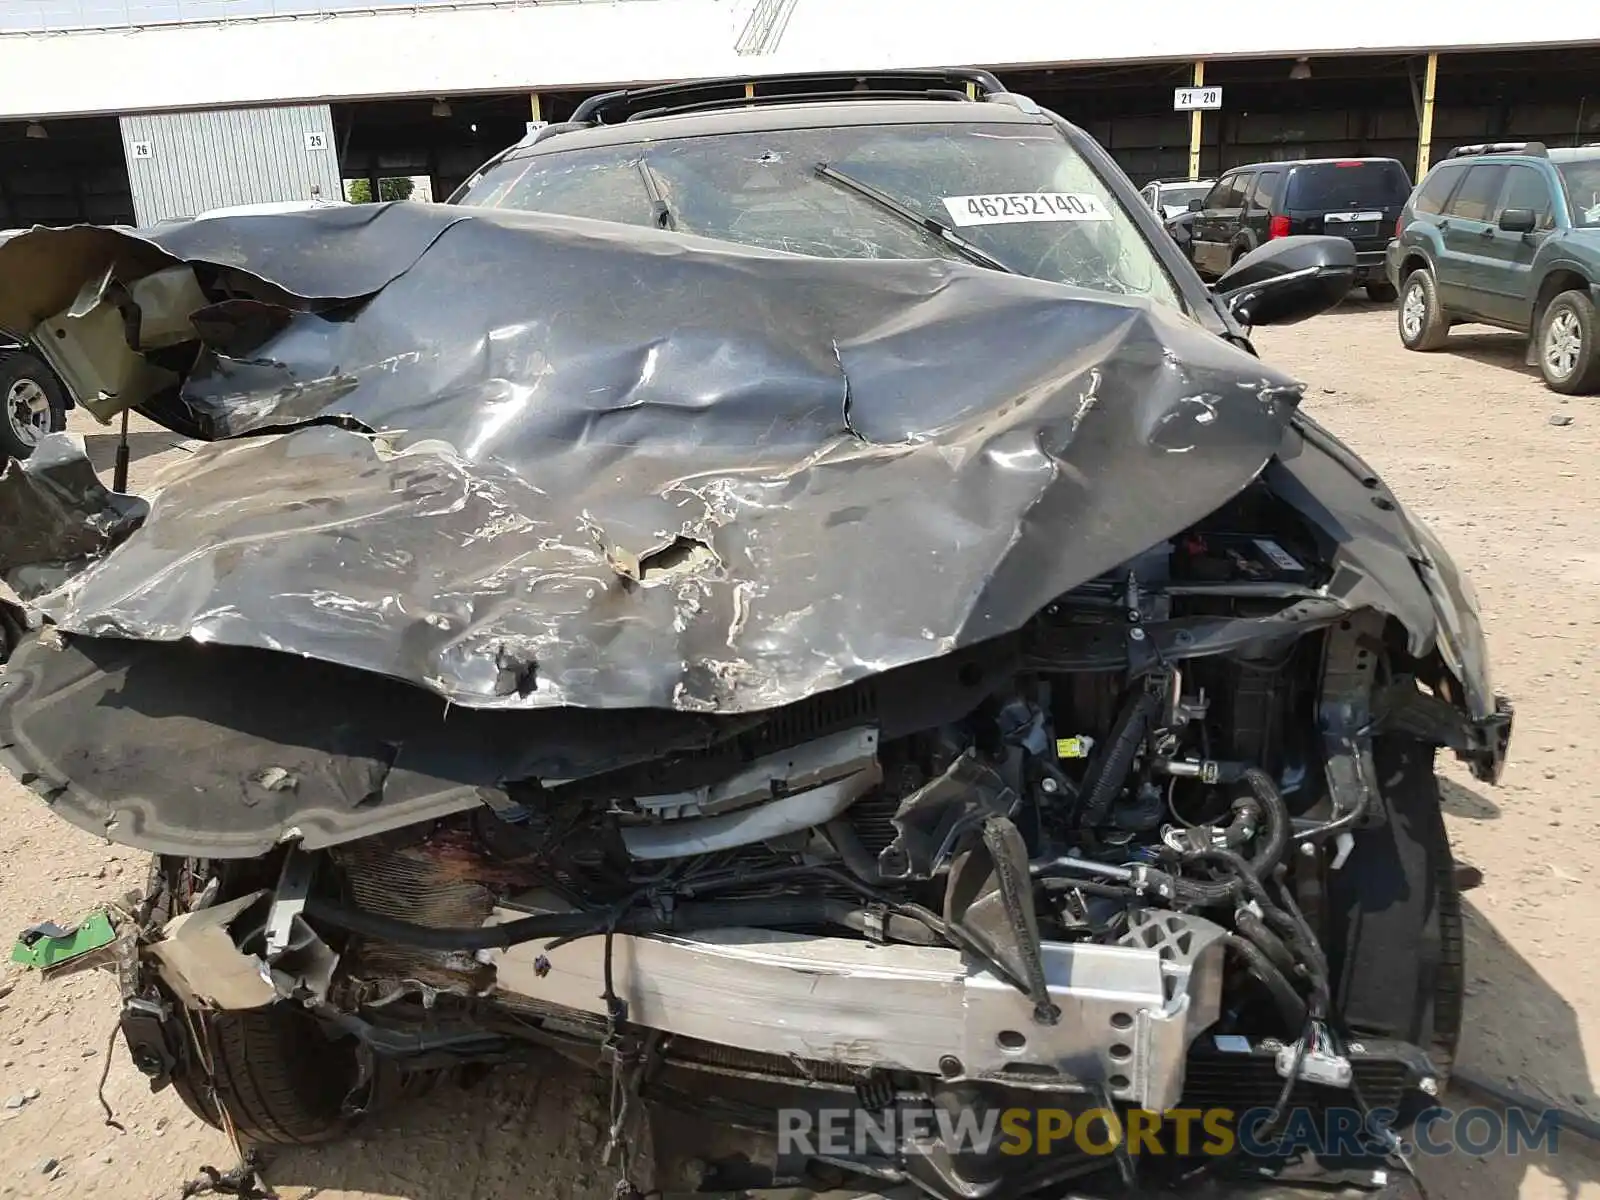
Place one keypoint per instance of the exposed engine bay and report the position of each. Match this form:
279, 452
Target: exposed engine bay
973, 757
1071, 866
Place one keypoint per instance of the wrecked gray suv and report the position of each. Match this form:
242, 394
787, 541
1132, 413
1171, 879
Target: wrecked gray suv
828, 622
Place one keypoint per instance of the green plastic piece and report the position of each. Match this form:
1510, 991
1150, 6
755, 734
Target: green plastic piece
46, 946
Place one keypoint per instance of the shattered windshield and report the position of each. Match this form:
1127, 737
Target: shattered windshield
1020, 196
1582, 179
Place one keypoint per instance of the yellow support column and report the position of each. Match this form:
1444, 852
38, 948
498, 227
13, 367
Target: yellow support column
749, 91
1194, 124
534, 113
1425, 126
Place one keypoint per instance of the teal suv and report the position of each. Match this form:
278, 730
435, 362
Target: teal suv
1506, 235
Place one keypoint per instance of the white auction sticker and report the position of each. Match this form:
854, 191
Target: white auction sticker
1009, 208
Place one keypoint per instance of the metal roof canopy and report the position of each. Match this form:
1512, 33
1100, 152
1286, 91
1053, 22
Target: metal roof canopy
505, 47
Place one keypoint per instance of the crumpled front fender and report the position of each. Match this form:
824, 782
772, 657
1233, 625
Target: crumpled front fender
1387, 559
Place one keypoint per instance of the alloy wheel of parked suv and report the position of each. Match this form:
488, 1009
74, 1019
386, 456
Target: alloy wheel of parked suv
1423, 325
1566, 346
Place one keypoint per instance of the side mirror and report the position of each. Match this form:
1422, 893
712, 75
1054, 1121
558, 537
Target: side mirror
1288, 279
1197, 206
1519, 220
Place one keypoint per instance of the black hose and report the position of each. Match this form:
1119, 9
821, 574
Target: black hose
1283, 994
1274, 820
1205, 893
854, 854
1127, 735
1255, 931
1297, 935
685, 918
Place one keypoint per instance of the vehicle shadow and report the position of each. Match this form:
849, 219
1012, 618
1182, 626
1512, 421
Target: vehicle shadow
1493, 349
1523, 1036
102, 447
531, 1130
1463, 802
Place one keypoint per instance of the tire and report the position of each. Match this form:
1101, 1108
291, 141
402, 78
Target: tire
1422, 321
1413, 765
12, 631
1405, 860
32, 403
1568, 345
1382, 293
278, 1077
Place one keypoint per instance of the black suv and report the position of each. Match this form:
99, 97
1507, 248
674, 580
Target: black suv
1507, 235
1354, 198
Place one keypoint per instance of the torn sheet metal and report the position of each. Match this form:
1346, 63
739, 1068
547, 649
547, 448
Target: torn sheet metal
58, 516
201, 962
527, 461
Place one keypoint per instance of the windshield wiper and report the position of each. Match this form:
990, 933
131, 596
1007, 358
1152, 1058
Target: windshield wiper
658, 199
911, 216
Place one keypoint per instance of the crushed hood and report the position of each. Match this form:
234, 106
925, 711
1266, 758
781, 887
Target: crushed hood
522, 461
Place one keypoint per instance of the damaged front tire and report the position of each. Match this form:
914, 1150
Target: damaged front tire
272, 1075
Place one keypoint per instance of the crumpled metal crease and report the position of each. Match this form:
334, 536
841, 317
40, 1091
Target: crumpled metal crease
537, 461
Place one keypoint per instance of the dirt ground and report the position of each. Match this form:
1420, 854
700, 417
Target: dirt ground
1504, 471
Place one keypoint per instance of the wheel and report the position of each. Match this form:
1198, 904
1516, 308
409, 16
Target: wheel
1381, 293
278, 1074
32, 403
1568, 356
278, 1077
1423, 322
1400, 963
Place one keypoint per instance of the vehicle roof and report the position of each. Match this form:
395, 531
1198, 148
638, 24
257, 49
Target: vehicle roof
1558, 154
758, 117
1314, 162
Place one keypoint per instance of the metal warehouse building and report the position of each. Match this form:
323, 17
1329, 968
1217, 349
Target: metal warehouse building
132, 111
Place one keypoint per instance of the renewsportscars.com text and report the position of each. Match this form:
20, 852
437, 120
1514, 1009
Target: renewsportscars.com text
1181, 1132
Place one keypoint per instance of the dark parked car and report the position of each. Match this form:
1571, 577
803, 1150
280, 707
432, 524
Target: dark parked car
1353, 198
1507, 235
810, 606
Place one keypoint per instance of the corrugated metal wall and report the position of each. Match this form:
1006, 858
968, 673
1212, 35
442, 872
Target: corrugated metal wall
181, 164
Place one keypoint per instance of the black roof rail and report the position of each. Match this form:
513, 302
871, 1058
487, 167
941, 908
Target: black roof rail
1531, 149
956, 83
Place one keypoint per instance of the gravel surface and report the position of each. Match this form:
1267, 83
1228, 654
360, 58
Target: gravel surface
1505, 473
